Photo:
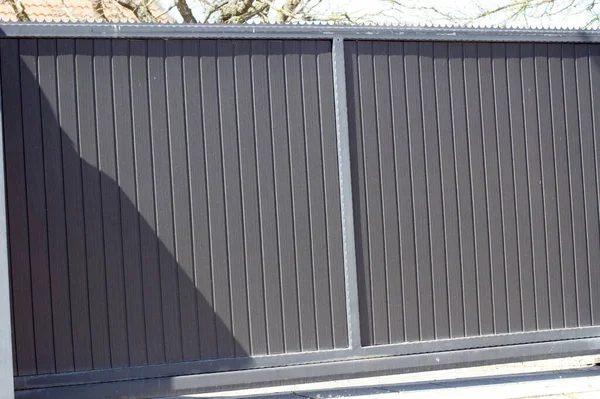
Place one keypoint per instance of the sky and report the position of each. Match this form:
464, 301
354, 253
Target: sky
558, 13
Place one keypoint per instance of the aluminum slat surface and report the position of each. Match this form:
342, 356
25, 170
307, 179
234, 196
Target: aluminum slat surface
490, 147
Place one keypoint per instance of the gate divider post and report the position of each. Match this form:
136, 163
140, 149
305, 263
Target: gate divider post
6, 355
345, 178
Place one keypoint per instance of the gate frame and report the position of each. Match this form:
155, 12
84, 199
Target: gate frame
6, 352
354, 361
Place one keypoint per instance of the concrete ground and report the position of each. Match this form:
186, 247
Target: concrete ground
573, 378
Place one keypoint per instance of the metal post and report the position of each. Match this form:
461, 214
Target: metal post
343, 146
6, 358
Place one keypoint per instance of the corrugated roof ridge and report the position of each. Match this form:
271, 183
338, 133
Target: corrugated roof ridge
362, 27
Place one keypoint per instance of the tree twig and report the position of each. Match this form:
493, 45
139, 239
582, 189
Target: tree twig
234, 8
287, 11
184, 10
213, 9
260, 10
98, 8
139, 8
19, 10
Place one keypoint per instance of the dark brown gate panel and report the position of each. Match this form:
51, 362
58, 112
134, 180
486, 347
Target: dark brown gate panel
170, 201
475, 178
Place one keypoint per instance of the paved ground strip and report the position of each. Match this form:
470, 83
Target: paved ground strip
574, 378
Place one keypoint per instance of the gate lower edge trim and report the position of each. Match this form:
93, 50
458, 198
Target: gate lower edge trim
203, 383
213, 367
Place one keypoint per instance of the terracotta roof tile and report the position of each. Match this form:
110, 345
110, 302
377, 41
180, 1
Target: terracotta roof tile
73, 10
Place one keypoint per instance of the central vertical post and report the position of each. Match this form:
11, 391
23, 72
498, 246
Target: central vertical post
343, 147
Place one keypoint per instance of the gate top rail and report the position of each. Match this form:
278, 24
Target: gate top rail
295, 31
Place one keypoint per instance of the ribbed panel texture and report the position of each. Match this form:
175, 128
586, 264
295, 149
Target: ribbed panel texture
170, 201
475, 178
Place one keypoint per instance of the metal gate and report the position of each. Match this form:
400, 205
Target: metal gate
192, 208
476, 191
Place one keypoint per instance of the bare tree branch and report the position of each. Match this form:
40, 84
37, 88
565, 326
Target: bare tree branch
98, 8
223, 11
139, 8
213, 9
234, 8
505, 12
185, 11
287, 11
261, 11
280, 11
165, 12
307, 6
531, 8
19, 10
